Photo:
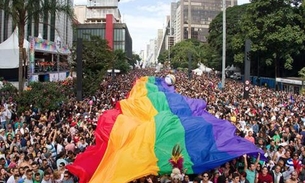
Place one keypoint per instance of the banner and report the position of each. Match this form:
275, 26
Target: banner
34, 78
53, 77
31, 65
62, 76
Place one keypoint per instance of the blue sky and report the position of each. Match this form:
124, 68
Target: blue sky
144, 18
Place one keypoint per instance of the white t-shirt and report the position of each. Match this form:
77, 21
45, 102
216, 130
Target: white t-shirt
9, 114
11, 179
3, 116
59, 148
242, 124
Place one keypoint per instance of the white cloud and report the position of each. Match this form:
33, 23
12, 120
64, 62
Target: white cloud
142, 29
161, 9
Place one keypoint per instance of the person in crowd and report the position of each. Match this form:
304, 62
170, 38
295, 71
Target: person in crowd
68, 177
269, 119
251, 170
243, 178
28, 176
46, 177
264, 176
293, 178
277, 175
235, 178
15, 176
206, 178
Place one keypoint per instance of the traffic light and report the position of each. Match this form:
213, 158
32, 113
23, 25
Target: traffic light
248, 56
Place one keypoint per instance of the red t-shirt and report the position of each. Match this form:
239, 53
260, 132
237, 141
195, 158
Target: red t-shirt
264, 178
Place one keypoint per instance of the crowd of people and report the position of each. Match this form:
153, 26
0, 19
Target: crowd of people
35, 146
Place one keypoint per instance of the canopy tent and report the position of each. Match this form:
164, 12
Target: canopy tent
197, 72
115, 71
233, 68
201, 69
9, 51
204, 68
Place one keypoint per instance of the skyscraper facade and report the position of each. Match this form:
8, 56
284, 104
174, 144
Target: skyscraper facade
102, 18
202, 14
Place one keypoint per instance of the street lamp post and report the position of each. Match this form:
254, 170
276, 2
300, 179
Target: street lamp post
223, 77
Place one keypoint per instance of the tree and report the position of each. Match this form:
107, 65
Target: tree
233, 34
44, 96
275, 31
22, 11
97, 58
209, 56
121, 61
134, 59
181, 51
163, 57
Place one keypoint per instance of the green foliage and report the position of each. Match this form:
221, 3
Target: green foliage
302, 73
180, 53
8, 90
134, 59
275, 28
276, 33
234, 37
163, 57
44, 96
121, 61
97, 58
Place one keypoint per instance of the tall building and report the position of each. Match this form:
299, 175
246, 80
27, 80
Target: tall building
159, 38
202, 14
173, 18
151, 52
50, 26
98, 9
102, 18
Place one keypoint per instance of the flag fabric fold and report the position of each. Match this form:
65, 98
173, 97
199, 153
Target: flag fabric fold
137, 139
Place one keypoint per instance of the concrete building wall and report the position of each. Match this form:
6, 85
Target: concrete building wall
80, 13
178, 23
159, 38
173, 17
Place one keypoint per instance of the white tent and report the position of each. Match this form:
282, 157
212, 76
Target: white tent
233, 68
115, 71
9, 51
204, 68
201, 69
197, 72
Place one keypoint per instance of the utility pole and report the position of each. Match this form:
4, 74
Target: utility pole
190, 65
189, 20
189, 37
223, 77
79, 70
247, 68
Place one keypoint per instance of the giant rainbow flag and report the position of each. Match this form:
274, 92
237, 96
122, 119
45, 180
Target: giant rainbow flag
136, 139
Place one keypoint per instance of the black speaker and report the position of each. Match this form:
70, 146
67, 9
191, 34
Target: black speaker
79, 69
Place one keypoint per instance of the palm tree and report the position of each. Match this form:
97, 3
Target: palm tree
22, 12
